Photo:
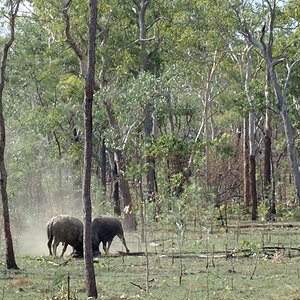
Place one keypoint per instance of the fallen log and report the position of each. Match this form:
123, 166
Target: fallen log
261, 225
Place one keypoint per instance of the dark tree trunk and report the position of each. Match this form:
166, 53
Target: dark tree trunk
253, 192
10, 256
60, 189
88, 125
267, 167
288, 129
130, 218
246, 164
268, 151
273, 203
115, 187
148, 122
265, 45
103, 160
142, 7
77, 176
251, 120
148, 125
252, 165
77, 185
116, 194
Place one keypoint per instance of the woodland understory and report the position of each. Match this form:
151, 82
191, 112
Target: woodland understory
195, 110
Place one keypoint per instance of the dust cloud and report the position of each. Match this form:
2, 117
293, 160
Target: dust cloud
32, 241
29, 230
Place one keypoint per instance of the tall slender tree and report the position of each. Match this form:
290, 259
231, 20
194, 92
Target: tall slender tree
268, 149
10, 257
252, 150
265, 44
148, 109
246, 163
127, 201
88, 125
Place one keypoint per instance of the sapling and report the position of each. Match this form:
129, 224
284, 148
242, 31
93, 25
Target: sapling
181, 231
146, 245
255, 265
68, 285
177, 216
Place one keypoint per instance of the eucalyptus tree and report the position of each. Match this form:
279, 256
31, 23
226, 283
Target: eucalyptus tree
269, 185
184, 55
252, 146
237, 52
141, 9
205, 34
12, 8
243, 55
264, 41
69, 28
190, 51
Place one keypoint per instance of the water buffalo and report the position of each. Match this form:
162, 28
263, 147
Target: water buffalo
67, 230
104, 229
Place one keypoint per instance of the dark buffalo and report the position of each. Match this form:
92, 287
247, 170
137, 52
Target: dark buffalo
104, 229
67, 230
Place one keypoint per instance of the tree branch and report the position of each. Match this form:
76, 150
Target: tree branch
145, 40
262, 41
71, 41
253, 41
137, 4
156, 20
271, 26
12, 20
289, 70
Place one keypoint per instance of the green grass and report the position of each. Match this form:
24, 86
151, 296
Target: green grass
273, 275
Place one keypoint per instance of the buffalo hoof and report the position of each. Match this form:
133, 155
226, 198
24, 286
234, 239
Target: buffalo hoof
76, 254
96, 254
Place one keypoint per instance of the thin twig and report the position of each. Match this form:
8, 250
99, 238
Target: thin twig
137, 285
256, 263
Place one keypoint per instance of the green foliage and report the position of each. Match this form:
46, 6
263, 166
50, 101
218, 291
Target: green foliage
253, 246
177, 216
41, 277
283, 212
234, 209
194, 52
263, 209
296, 214
223, 146
43, 105
166, 146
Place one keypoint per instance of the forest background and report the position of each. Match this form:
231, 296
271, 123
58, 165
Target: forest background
191, 116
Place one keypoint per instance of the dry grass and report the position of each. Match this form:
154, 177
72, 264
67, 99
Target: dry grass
19, 282
206, 274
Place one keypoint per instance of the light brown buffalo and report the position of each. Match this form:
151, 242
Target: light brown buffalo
67, 230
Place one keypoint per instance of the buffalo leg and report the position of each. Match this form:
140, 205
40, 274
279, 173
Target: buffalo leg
124, 242
64, 249
55, 244
49, 246
105, 248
